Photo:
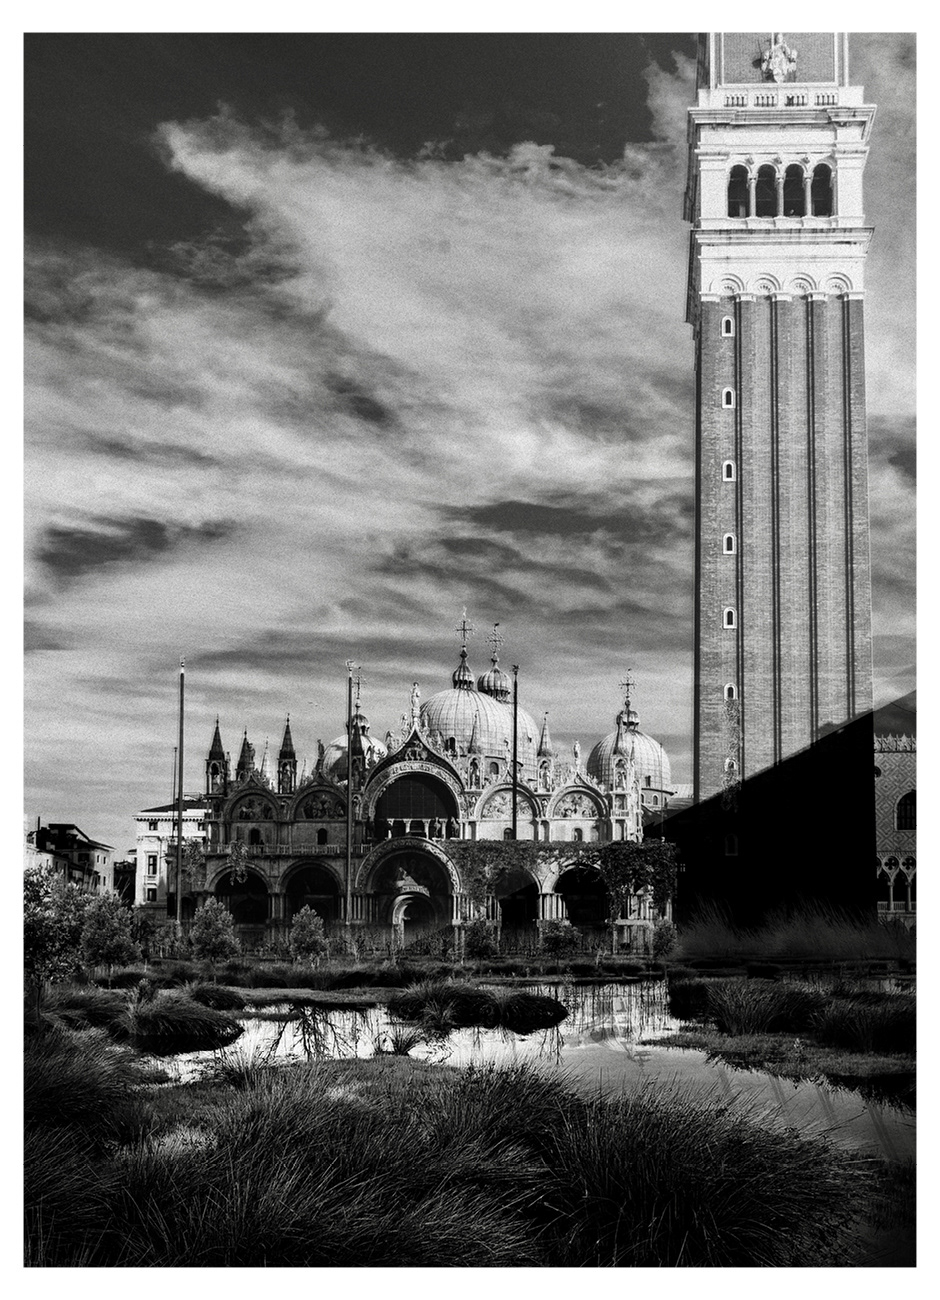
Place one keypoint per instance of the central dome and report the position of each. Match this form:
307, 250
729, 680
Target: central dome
470, 721
652, 762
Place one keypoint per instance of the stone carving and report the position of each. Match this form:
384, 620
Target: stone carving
254, 810
779, 60
322, 808
575, 805
498, 805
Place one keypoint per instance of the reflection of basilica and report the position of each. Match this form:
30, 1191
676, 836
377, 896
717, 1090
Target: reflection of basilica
446, 776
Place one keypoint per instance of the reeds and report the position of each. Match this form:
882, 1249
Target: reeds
216, 996
885, 1024
816, 932
443, 1005
759, 1007
173, 1022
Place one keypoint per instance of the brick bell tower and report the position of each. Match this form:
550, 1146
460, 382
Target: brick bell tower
777, 147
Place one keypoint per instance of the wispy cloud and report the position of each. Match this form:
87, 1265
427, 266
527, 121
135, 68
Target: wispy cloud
410, 386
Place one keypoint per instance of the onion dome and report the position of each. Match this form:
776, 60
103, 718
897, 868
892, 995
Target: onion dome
462, 676
628, 740
472, 718
496, 683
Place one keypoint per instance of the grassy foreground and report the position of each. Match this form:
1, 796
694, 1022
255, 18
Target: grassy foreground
393, 1163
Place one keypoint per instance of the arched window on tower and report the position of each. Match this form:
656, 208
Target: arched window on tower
727, 327
727, 398
728, 472
729, 544
766, 192
737, 192
729, 618
822, 191
731, 691
906, 812
794, 195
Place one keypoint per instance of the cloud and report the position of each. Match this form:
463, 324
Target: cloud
404, 386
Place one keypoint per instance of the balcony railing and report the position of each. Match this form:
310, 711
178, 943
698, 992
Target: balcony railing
897, 907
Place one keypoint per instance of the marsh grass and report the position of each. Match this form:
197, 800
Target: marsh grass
171, 1022
82, 1008
442, 1005
217, 996
759, 1007
391, 1163
858, 1023
814, 932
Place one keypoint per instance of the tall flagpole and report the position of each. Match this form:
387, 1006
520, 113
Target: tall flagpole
515, 744
349, 818
179, 810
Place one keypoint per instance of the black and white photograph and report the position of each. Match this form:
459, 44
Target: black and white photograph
469, 695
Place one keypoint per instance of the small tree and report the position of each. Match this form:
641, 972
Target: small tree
665, 938
308, 941
478, 939
107, 937
53, 916
194, 866
212, 933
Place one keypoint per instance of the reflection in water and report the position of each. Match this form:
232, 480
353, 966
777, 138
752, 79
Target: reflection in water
598, 1044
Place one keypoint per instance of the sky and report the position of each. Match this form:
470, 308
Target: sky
330, 337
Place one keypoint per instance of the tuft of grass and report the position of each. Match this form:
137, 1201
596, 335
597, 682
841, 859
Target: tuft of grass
399, 1041
216, 996
443, 1005
172, 1022
861, 1024
77, 1081
84, 1008
128, 977
758, 1007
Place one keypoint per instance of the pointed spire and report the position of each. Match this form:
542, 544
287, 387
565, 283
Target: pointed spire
264, 761
246, 758
462, 676
287, 744
546, 748
216, 752
474, 746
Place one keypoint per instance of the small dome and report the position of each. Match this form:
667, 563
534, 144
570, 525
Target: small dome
496, 683
650, 757
334, 756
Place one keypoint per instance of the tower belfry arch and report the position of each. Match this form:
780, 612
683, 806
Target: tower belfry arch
778, 142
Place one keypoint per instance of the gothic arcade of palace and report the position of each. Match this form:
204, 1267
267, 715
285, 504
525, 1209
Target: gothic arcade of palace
446, 776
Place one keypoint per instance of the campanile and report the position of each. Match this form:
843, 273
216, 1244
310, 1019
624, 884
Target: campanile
777, 147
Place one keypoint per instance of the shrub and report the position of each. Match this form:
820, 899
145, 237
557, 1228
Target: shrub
53, 916
212, 933
688, 999
478, 939
308, 941
665, 939
130, 978
177, 973
524, 1013
558, 938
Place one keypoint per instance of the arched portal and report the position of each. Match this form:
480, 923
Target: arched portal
412, 891
314, 887
248, 903
517, 895
585, 896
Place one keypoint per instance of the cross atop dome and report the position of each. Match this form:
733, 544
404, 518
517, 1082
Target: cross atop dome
495, 640
464, 629
627, 684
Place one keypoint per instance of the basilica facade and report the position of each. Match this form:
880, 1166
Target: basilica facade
369, 835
